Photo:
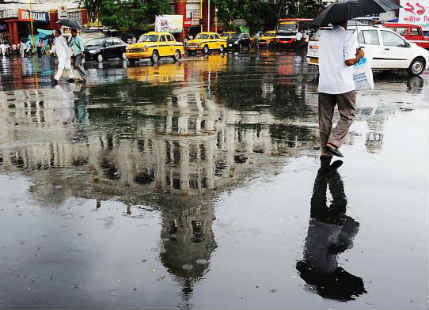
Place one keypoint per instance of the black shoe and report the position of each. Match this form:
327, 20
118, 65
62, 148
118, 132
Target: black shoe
335, 152
54, 82
70, 80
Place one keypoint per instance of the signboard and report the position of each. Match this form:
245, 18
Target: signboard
193, 13
415, 12
25, 16
169, 23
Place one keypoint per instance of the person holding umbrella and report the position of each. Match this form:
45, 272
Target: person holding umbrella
77, 46
63, 52
338, 52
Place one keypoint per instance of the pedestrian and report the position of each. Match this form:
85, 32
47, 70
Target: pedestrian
338, 53
78, 48
62, 51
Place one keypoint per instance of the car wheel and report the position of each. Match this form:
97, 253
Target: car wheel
417, 66
206, 50
177, 56
100, 58
222, 49
155, 58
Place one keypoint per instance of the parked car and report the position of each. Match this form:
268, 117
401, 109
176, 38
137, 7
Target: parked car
206, 42
105, 48
153, 46
238, 41
387, 49
266, 39
413, 33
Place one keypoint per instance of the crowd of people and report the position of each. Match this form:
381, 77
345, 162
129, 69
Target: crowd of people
70, 51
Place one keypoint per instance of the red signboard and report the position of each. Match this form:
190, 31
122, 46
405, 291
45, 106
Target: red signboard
24, 15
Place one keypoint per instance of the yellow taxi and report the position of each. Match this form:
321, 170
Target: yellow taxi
266, 38
206, 42
155, 45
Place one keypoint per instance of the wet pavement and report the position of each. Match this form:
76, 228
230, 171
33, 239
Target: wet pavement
189, 186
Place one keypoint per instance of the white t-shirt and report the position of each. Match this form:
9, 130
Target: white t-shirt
336, 46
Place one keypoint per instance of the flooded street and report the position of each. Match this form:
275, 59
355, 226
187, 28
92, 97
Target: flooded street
189, 186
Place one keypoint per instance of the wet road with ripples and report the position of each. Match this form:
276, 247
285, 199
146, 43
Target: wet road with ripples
189, 186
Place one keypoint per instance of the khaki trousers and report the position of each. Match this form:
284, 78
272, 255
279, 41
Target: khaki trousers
346, 106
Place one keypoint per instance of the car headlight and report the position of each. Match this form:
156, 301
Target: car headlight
236, 42
93, 51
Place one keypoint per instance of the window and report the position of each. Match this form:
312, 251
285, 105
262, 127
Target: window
392, 39
217, 36
402, 30
212, 37
148, 38
416, 31
369, 37
117, 41
163, 38
170, 38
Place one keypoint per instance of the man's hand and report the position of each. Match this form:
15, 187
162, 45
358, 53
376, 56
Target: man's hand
359, 54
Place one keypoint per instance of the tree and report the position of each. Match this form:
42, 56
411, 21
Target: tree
125, 14
92, 7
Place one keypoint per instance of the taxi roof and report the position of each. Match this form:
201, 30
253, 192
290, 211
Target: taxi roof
155, 33
208, 32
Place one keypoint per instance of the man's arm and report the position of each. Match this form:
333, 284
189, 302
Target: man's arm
359, 55
352, 52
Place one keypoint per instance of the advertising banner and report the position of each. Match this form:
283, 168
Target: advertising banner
415, 12
169, 23
25, 16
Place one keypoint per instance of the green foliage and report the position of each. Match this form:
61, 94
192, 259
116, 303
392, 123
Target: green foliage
261, 14
126, 14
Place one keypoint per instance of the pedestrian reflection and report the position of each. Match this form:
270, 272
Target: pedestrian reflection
330, 233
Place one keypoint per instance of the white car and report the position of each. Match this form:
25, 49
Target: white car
387, 49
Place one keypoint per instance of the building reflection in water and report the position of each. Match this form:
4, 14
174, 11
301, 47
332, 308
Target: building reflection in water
330, 233
168, 140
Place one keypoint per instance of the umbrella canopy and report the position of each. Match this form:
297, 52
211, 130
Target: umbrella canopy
339, 12
45, 32
69, 23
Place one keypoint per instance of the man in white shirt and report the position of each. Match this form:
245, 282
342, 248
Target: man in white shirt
61, 48
338, 53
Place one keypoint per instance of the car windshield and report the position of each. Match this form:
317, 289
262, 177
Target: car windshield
202, 36
149, 38
95, 42
235, 36
287, 28
269, 34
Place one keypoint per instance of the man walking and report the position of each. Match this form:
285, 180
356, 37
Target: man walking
338, 53
77, 46
62, 50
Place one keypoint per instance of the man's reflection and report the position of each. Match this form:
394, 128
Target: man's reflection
330, 233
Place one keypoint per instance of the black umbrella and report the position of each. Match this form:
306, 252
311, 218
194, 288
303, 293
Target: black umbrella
339, 12
69, 23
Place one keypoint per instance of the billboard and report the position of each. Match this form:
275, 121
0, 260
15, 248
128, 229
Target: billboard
25, 16
415, 12
169, 23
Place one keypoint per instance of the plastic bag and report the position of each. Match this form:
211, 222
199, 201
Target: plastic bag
362, 75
